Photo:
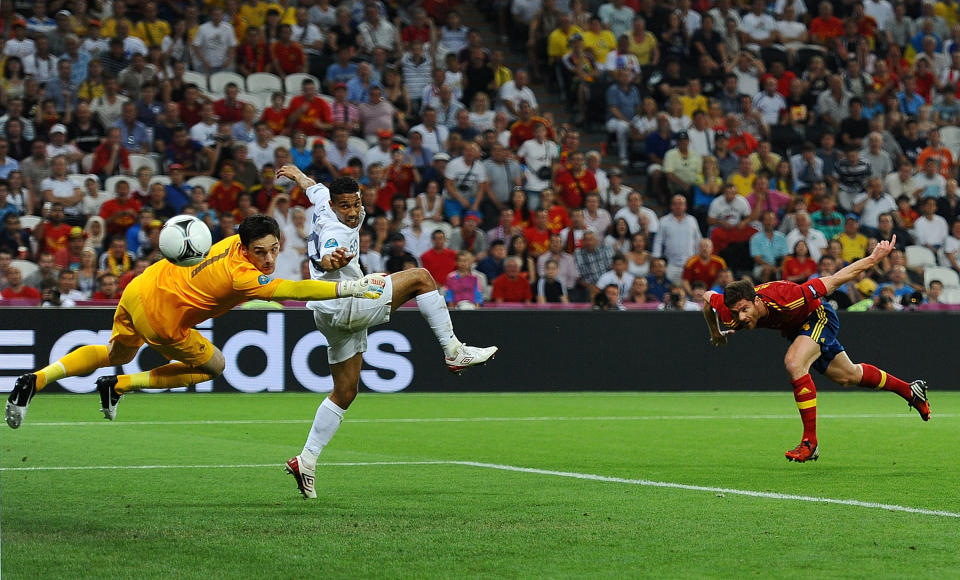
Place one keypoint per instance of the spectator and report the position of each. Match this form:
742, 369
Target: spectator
682, 166
46, 272
566, 265
512, 286
548, 288
592, 260
434, 135
640, 219
623, 103
799, 266
16, 288
467, 183
469, 237
854, 243
461, 283
677, 237
930, 230
441, 261
107, 288
703, 267
729, 215
929, 183
657, 283
418, 239
308, 112
816, 241
852, 173
13, 236
215, 43
574, 181
618, 275
59, 189
120, 213
767, 248
493, 264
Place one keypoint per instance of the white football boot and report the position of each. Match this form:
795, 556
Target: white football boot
469, 356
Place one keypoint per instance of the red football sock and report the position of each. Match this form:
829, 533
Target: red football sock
805, 393
881, 380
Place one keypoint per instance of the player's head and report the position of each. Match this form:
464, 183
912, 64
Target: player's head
260, 241
739, 298
345, 200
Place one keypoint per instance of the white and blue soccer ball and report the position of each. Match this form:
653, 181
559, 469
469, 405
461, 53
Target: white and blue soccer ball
185, 240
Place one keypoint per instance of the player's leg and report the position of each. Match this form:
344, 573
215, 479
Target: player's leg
123, 346
199, 361
800, 356
844, 372
345, 352
418, 283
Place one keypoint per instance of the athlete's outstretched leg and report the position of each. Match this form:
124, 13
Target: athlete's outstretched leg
79, 362
843, 372
346, 378
418, 283
201, 362
800, 356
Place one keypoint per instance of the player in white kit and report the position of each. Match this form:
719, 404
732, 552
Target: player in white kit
333, 250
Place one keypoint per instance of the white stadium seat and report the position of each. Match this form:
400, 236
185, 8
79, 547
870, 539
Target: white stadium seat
196, 78
946, 275
138, 161
219, 80
294, 83
204, 181
920, 256
264, 83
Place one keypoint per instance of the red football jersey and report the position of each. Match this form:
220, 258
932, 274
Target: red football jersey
788, 305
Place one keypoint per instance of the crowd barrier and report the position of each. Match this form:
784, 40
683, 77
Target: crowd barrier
540, 350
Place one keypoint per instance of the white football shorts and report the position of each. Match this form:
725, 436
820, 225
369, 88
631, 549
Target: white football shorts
346, 328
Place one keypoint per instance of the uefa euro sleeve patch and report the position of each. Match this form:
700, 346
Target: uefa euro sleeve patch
263, 279
331, 243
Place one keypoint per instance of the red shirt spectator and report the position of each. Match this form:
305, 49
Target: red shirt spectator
742, 144
315, 112
288, 56
573, 185
538, 240
696, 270
104, 153
120, 212
228, 112
522, 131
825, 29
512, 286
17, 289
439, 263
54, 237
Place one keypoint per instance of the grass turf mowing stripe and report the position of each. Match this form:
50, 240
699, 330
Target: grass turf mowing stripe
535, 471
489, 419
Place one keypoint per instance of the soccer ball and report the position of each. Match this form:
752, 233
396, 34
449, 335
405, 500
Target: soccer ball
185, 240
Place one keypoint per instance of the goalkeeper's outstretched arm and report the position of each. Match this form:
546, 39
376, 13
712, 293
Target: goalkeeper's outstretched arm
370, 286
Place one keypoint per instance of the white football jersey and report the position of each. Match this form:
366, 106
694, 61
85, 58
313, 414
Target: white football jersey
328, 234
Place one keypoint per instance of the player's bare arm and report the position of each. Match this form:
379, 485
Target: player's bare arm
293, 173
851, 272
717, 337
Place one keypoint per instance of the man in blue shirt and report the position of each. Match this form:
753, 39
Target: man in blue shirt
623, 102
910, 101
767, 248
134, 135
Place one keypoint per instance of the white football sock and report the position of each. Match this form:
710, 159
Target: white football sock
325, 424
434, 309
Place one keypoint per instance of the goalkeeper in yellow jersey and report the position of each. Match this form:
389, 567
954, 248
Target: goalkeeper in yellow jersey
161, 306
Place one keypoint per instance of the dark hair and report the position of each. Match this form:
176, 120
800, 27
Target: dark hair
342, 185
736, 291
257, 226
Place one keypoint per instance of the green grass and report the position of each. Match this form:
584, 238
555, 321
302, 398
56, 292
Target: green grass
453, 520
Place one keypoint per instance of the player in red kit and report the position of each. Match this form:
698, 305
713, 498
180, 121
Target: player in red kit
811, 325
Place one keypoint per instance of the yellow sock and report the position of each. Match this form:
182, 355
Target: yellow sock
169, 376
82, 361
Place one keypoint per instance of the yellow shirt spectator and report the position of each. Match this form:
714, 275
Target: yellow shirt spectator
109, 29
558, 43
643, 50
743, 183
853, 248
691, 104
600, 43
151, 33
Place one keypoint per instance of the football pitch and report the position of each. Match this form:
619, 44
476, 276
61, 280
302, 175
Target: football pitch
665, 485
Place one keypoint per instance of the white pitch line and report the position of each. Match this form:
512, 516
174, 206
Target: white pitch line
744, 492
514, 468
235, 466
487, 419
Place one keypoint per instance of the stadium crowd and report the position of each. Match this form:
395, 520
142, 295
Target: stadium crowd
778, 140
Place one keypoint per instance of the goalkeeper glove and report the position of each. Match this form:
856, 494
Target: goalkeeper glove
370, 286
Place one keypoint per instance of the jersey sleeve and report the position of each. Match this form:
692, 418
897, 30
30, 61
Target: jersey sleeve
318, 194
813, 289
253, 283
723, 313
